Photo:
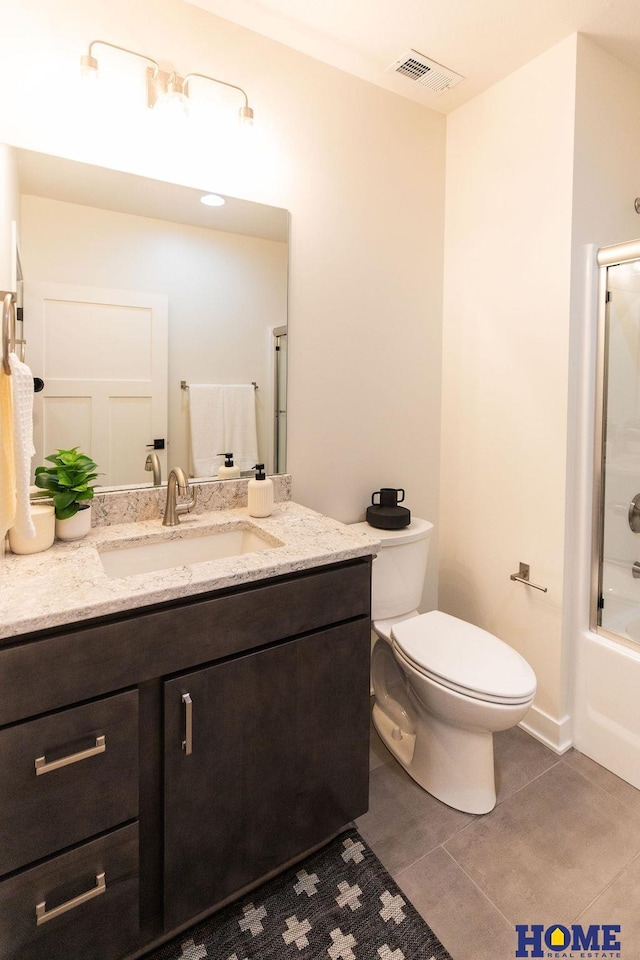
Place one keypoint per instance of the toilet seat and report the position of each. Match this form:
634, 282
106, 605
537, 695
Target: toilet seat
464, 658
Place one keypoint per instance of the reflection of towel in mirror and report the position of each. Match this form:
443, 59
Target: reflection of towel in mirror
223, 417
206, 415
22, 397
240, 434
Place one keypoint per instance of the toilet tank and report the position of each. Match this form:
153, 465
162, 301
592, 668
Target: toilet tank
399, 568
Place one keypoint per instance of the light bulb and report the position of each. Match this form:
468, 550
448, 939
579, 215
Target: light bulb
246, 117
173, 104
89, 68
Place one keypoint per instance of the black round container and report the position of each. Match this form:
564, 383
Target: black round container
388, 518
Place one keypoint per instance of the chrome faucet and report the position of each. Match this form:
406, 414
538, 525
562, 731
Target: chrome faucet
153, 463
172, 510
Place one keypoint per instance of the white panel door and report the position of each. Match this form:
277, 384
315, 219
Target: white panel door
103, 357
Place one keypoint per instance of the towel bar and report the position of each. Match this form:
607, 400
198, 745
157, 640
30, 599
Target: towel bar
185, 386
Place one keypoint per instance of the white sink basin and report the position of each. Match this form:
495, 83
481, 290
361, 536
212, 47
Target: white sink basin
127, 561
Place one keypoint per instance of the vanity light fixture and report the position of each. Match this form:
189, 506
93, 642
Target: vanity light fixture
166, 92
212, 200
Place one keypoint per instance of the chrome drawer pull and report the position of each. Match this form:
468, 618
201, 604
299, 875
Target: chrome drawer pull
43, 767
187, 743
41, 912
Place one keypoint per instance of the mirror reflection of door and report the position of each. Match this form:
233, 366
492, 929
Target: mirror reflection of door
103, 357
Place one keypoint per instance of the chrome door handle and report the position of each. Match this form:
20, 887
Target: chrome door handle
187, 743
43, 767
634, 514
43, 915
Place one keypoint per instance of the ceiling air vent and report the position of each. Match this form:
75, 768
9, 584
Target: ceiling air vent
426, 72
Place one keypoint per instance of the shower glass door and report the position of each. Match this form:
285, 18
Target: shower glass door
280, 400
618, 588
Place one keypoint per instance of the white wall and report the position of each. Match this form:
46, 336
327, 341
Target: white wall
226, 293
362, 172
505, 363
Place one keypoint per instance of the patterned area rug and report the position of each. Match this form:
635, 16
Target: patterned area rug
339, 904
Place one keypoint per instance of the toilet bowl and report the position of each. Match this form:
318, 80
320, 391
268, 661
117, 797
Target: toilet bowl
442, 686
456, 685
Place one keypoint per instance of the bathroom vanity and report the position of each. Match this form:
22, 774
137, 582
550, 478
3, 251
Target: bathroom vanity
183, 742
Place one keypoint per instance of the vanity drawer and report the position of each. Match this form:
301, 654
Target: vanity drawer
66, 777
87, 900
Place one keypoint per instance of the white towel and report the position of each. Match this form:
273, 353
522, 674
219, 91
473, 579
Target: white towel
23, 449
206, 415
7, 459
240, 434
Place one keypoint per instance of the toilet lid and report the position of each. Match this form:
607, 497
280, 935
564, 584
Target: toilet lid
464, 657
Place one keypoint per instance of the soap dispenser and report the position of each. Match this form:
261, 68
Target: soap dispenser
227, 471
260, 493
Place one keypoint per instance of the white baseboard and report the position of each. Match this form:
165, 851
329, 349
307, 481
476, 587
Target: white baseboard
555, 734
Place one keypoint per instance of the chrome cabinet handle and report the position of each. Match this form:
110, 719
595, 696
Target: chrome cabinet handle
43, 767
187, 743
42, 915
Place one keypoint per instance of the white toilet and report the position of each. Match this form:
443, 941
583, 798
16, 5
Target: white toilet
442, 686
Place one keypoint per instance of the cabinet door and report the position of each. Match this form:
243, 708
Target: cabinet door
279, 761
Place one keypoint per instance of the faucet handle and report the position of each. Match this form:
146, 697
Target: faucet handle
187, 505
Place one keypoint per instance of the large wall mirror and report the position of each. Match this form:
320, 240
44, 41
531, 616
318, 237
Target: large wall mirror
156, 322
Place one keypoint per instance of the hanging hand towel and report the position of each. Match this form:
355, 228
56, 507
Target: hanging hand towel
206, 415
23, 449
240, 431
7, 461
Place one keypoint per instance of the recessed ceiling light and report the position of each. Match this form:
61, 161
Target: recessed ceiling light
212, 200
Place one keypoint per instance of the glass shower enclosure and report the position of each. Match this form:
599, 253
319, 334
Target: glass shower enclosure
616, 561
280, 400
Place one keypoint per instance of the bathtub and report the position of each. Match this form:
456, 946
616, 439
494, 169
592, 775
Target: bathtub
607, 709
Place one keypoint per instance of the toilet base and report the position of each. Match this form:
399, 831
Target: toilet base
453, 764
398, 741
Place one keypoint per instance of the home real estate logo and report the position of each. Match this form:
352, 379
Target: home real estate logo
595, 942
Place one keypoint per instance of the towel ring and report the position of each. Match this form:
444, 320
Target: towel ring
8, 329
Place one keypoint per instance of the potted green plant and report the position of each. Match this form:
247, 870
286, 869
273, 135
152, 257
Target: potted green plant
69, 482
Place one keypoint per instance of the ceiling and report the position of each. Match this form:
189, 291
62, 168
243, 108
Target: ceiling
57, 178
484, 40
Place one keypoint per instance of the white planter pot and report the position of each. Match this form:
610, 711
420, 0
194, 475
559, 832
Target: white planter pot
44, 522
75, 527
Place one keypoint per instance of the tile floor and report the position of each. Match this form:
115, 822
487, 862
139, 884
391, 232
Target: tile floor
562, 845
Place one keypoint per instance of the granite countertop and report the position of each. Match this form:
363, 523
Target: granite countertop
67, 583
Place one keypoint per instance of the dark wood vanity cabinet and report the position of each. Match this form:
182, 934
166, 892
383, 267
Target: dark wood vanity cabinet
153, 765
